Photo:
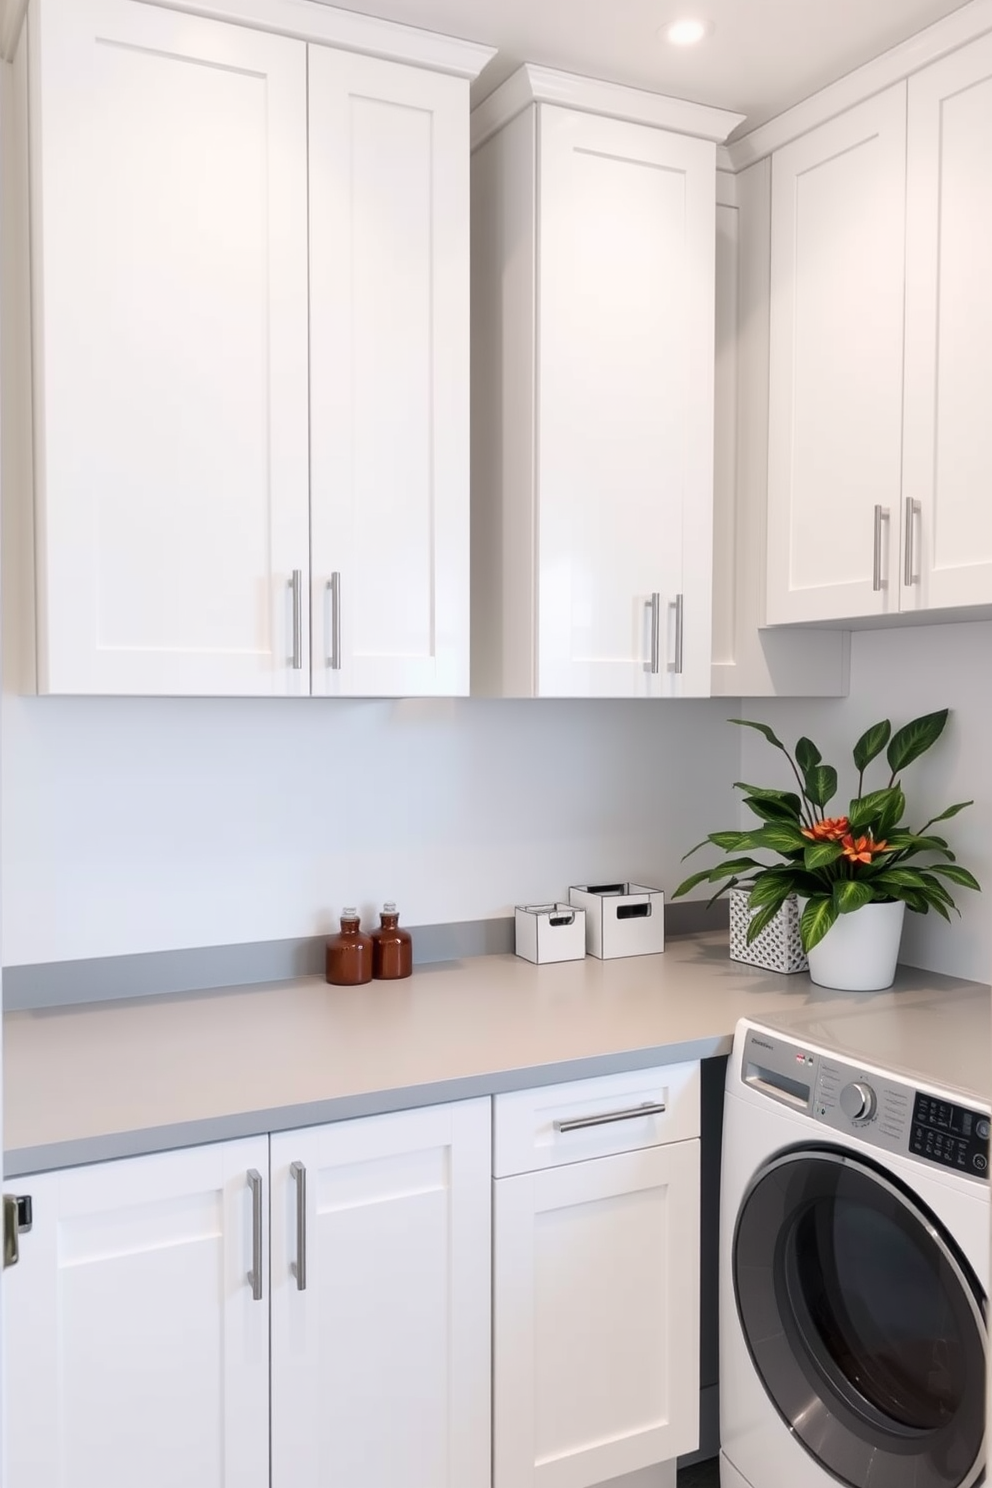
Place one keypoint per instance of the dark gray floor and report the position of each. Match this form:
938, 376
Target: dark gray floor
701, 1475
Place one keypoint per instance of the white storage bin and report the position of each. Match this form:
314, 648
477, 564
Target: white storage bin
622, 919
550, 932
779, 947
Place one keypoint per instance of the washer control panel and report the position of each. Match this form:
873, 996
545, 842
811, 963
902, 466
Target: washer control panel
878, 1108
949, 1134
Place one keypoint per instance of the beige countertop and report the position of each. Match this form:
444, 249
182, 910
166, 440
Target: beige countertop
104, 1080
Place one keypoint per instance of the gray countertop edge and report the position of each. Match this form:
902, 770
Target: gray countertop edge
106, 1147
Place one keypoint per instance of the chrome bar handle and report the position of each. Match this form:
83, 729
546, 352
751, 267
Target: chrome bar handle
909, 564
299, 1266
334, 586
679, 632
296, 584
654, 605
580, 1123
255, 1274
881, 515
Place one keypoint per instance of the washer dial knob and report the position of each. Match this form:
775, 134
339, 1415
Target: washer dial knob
857, 1101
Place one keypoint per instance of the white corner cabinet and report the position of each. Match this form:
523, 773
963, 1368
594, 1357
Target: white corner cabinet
592, 364
139, 1349
880, 445
596, 1280
249, 286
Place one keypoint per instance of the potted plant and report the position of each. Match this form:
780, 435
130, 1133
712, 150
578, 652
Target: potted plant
857, 873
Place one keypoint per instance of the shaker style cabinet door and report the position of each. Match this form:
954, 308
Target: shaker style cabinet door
136, 1351
595, 1318
170, 302
381, 1301
625, 407
946, 555
836, 357
389, 304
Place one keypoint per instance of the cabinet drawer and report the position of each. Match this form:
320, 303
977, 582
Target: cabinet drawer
558, 1124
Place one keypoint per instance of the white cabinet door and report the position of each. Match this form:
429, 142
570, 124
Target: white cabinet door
381, 1343
625, 408
595, 1318
135, 1352
389, 377
170, 278
835, 389
946, 557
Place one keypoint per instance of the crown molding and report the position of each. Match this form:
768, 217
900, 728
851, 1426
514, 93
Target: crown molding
532, 84
12, 13
936, 41
313, 20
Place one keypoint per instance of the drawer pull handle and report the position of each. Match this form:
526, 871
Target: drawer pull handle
579, 1123
299, 1266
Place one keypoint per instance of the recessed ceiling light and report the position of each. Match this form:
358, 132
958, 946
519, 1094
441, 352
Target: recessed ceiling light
686, 32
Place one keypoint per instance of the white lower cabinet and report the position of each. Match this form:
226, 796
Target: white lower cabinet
596, 1281
381, 1302
136, 1350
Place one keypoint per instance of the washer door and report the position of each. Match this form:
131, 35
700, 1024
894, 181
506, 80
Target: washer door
864, 1323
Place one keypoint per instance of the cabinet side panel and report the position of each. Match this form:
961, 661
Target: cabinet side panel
503, 410
16, 472
749, 661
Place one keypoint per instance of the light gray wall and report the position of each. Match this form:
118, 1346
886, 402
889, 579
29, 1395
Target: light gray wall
150, 824
899, 674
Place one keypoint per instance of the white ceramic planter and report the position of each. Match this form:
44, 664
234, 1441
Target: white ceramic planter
860, 950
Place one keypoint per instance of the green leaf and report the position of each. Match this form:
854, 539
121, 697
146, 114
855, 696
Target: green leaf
807, 755
691, 882
915, 739
892, 880
850, 894
891, 813
821, 784
956, 874
762, 729
761, 921
951, 811
869, 808
871, 744
771, 810
821, 854
912, 842
767, 794
818, 916
728, 841
782, 837
770, 889
934, 889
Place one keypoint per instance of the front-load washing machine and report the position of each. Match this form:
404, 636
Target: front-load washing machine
854, 1270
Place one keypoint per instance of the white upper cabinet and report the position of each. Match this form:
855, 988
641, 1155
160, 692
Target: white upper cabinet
170, 309
946, 557
835, 387
880, 442
250, 346
593, 327
389, 297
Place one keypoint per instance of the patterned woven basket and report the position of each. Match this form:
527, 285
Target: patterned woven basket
779, 947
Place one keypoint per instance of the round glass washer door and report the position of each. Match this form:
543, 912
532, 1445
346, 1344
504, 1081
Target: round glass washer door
863, 1321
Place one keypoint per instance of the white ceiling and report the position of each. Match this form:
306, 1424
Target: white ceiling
762, 56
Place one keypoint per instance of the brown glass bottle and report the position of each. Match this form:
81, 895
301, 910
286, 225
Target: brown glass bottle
349, 954
392, 948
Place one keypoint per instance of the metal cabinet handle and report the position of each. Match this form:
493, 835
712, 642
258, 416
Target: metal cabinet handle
579, 1123
654, 605
255, 1274
881, 515
17, 1216
909, 556
334, 585
296, 583
299, 1266
679, 632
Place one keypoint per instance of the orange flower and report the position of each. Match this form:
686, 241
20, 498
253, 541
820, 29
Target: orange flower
830, 829
861, 850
